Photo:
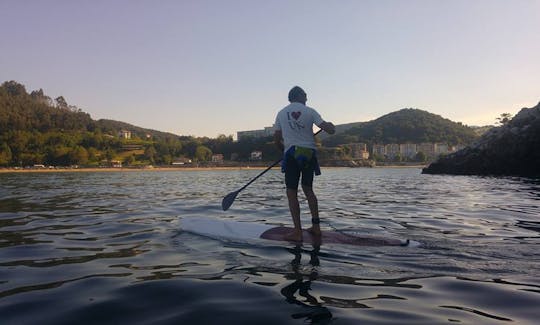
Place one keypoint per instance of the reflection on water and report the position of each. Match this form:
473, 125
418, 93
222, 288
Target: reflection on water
108, 248
314, 311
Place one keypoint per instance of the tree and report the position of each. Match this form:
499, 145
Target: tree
109, 154
129, 160
150, 154
78, 156
61, 102
14, 88
203, 153
504, 118
5, 154
93, 154
421, 156
58, 155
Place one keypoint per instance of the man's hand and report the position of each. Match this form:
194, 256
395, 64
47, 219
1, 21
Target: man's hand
328, 127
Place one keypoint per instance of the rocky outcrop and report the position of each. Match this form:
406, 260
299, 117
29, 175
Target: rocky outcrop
509, 150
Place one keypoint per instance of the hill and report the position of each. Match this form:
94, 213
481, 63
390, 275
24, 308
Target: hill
113, 127
406, 126
35, 129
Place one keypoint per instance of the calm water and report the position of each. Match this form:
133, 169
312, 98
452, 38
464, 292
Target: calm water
108, 248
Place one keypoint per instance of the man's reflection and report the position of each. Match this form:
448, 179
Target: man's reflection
314, 311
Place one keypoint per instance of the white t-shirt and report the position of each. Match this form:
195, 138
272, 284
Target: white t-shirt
296, 124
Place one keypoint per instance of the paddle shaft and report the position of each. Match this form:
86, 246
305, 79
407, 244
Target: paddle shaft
229, 198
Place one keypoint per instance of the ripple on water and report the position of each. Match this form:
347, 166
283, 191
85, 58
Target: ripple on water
106, 247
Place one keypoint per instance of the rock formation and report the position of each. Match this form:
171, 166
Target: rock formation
512, 149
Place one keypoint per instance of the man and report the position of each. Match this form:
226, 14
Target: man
294, 135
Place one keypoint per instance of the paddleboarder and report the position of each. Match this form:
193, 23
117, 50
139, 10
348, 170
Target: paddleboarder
294, 136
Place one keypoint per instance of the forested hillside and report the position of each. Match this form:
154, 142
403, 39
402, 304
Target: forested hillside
36, 129
406, 126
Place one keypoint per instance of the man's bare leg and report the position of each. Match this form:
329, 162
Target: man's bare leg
294, 207
314, 209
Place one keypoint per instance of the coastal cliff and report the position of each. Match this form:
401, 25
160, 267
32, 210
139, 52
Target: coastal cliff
512, 149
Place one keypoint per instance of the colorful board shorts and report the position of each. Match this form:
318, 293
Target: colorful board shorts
300, 162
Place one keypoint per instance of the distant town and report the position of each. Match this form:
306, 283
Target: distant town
414, 152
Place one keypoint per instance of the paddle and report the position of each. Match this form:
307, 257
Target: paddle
228, 200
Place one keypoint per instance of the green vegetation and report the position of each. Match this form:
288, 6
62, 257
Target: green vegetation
406, 126
35, 129
504, 118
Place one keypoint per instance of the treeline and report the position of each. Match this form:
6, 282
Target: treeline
36, 129
406, 126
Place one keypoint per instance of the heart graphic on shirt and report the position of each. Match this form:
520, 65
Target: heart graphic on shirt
296, 115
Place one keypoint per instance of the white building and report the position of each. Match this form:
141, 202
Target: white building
407, 150
256, 155
392, 150
266, 132
124, 134
217, 158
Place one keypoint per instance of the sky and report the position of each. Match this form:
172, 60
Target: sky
211, 67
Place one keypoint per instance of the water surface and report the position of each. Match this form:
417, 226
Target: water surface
109, 248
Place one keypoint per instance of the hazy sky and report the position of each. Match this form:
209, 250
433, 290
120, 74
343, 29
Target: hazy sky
219, 66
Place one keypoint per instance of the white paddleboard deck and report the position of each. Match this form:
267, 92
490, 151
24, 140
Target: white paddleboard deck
236, 230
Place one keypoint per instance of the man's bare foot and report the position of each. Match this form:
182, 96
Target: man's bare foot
295, 235
315, 230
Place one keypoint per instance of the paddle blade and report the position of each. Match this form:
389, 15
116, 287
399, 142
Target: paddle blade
228, 200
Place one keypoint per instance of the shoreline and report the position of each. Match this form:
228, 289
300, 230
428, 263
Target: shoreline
164, 169
121, 169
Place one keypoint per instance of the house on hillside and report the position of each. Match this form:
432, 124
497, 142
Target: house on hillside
124, 134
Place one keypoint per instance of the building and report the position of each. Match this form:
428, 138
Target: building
379, 150
181, 161
116, 164
217, 158
124, 134
256, 155
392, 150
428, 149
442, 149
266, 132
359, 151
407, 150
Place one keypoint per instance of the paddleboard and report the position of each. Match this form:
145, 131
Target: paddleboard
236, 230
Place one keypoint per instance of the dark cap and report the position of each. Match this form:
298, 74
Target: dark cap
297, 94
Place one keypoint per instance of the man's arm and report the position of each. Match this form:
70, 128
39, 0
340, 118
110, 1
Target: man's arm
278, 140
328, 127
